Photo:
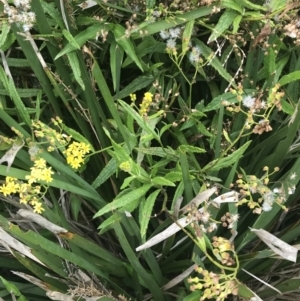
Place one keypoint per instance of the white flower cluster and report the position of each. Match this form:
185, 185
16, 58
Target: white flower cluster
171, 35
20, 14
194, 55
277, 194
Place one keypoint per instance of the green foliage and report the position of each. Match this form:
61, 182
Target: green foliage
169, 127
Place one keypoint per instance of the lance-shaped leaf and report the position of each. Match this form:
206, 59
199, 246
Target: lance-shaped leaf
280, 247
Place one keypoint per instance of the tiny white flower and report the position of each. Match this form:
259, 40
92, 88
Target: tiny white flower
17, 3
293, 176
205, 217
266, 207
171, 43
213, 226
235, 217
194, 58
248, 101
164, 34
175, 32
156, 13
33, 150
263, 104
276, 190
291, 190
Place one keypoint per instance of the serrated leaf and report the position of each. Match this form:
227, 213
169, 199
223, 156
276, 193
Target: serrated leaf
251, 5
139, 119
186, 36
70, 39
161, 181
127, 181
202, 129
164, 128
174, 176
124, 200
236, 23
232, 4
226, 136
116, 58
287, 108
218, 164
187, 124
223, 24
190, 148
76, 71
81, 38
137, 84
108, 222
286, 79
269, 62
5, 28
146, 211
10, 86
126, 44
108, 170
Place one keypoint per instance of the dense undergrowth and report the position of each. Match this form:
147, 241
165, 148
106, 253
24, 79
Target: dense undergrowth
152, 150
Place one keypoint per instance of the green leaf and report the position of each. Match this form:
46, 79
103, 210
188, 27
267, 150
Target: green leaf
106, 225
126, 44
251, 5
10, 86
139, 119
190, 148
286, 79
286, 107
81, 38
146, 211
127, 181
137, 84
77, 136
236, 23
202, 129
232, 4
161, 181
269, 61
214, 61
116, 58
5, 28
186, 36
124, 200
223, 24
11, 288
76, 71
70, 38
109, 170
173, 176
218, 164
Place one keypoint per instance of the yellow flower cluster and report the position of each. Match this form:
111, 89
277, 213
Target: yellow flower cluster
144, 106
40, 172
217, 286
28, 194
132, 97
75, 153
126, 166
55, 138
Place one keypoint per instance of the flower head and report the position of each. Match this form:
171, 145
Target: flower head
248, 101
